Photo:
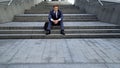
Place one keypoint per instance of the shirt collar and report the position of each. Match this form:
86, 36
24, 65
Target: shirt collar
55, 11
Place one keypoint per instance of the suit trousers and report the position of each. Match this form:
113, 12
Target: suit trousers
50, 24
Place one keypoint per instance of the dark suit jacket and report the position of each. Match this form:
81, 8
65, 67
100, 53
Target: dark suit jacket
52, 15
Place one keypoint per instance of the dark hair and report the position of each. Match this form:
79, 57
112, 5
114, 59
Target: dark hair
55, 6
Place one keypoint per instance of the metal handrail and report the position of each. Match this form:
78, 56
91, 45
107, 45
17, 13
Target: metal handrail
88, 0
10, 2
100, 2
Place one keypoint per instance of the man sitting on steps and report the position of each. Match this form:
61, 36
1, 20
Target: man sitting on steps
55, 18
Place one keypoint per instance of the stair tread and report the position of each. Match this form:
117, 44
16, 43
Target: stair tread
59, 29
60, 34
32, 24
47, 14
66, 24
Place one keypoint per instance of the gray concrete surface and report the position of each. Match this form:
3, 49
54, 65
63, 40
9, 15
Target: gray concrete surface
40, 24
17, 7
4, 0
60, 53
109, 12
34, 30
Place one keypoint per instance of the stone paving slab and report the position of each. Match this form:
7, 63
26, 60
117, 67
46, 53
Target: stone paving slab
60, 53
56, 66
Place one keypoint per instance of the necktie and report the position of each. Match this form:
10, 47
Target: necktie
56, 14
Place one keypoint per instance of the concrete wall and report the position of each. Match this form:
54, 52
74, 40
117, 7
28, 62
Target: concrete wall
17, 7
109, 12
3, 0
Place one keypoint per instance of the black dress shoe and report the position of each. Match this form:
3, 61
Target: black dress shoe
48, 32
62, 32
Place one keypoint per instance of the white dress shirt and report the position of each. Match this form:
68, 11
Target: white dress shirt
56, 16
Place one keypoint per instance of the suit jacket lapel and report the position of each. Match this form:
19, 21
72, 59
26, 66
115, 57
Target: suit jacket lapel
54, 13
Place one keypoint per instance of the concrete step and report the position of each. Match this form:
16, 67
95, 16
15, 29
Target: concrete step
53, 4
56, 2
68, 25
44, 17
56, 27
34, 30
57, 31
50, 7
47, 12
59, 36
40, 4
66, 15
41, 20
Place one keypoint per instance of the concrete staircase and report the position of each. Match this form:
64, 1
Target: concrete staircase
77, 24
44, 17
39, 13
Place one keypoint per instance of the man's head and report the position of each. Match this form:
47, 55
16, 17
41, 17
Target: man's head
55, 7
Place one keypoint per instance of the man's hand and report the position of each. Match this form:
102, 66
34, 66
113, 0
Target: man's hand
55, 21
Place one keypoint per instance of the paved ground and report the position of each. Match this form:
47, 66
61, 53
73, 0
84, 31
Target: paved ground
60, 53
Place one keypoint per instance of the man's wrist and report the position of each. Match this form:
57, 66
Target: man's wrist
51, 19
59, 19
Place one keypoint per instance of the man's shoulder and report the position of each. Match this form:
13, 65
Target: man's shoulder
59, 11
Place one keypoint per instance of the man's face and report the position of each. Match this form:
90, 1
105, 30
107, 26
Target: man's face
56, 8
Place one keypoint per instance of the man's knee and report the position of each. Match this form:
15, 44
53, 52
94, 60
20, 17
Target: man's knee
58, 24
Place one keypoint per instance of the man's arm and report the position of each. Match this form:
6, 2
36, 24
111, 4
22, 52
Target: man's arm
50, 16
51, 19
61, 16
